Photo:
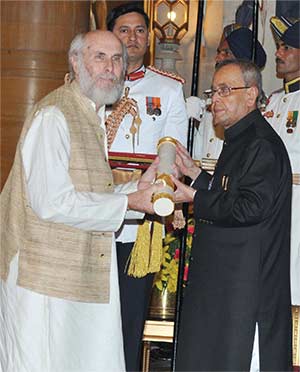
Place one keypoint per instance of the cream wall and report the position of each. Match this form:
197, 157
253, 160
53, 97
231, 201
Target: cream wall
226, 10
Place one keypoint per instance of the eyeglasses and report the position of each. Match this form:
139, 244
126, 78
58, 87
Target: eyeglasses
223, 91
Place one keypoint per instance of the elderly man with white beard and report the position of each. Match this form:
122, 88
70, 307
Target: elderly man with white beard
59, 294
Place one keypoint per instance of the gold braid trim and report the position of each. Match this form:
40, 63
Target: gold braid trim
147, 253
156, 249
125, 106
169, 74
296, 335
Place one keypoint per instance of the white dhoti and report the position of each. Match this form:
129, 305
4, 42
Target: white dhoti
47, 334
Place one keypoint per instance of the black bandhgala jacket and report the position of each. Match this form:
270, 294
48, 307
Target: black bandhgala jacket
239, 272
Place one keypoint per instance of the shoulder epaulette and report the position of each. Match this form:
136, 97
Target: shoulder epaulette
169, 74
270, 96
280, 90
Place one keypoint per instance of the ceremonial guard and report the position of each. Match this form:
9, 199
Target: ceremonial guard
155, 108
283, 114
161, 109
235, 43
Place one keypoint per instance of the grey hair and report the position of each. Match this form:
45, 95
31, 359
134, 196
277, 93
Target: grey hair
76, 48
250, 72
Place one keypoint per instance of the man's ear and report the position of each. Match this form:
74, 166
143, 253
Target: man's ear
74, 62
252, 94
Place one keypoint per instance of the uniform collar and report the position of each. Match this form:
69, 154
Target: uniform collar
137, 74
292, 86
243, 124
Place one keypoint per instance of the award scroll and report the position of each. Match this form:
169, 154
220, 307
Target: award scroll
163, 200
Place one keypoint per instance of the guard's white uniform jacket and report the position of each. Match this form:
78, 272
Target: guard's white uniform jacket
170, 120
208, 141
283, 113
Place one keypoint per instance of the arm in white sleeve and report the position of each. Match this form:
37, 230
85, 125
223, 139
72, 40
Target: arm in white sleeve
128, 188
177, 121
195, 107
52, 195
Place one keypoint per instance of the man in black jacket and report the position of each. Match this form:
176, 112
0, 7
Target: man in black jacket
239, 275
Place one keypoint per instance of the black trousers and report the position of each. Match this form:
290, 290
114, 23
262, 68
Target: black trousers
135, 297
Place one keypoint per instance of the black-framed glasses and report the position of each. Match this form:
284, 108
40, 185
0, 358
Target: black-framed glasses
223, 91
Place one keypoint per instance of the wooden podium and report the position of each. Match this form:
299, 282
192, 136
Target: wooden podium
157, 331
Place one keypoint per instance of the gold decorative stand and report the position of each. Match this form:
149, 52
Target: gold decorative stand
156, 331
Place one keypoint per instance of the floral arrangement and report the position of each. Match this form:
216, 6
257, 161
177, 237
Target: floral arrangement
166, 278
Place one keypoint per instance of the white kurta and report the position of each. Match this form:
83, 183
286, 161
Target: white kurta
278, 108
172, 122
45, 334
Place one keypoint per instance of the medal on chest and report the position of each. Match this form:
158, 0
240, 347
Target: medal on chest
269, 114
291, 121
153, 106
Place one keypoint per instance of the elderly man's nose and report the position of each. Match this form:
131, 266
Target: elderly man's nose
109, 65
215, 96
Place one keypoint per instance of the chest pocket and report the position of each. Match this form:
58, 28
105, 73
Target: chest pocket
221, 181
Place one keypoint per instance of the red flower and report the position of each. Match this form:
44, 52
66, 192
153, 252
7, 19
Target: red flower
186, 273
191, 229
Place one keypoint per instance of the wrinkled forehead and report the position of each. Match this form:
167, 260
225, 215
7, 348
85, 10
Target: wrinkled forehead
229, 75
105, 43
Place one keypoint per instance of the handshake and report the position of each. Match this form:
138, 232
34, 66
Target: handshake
159, 187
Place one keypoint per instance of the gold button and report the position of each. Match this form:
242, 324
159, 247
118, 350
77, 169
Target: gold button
284, 99
278, 116
211, 140
208, 155
127, 136
109, 184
